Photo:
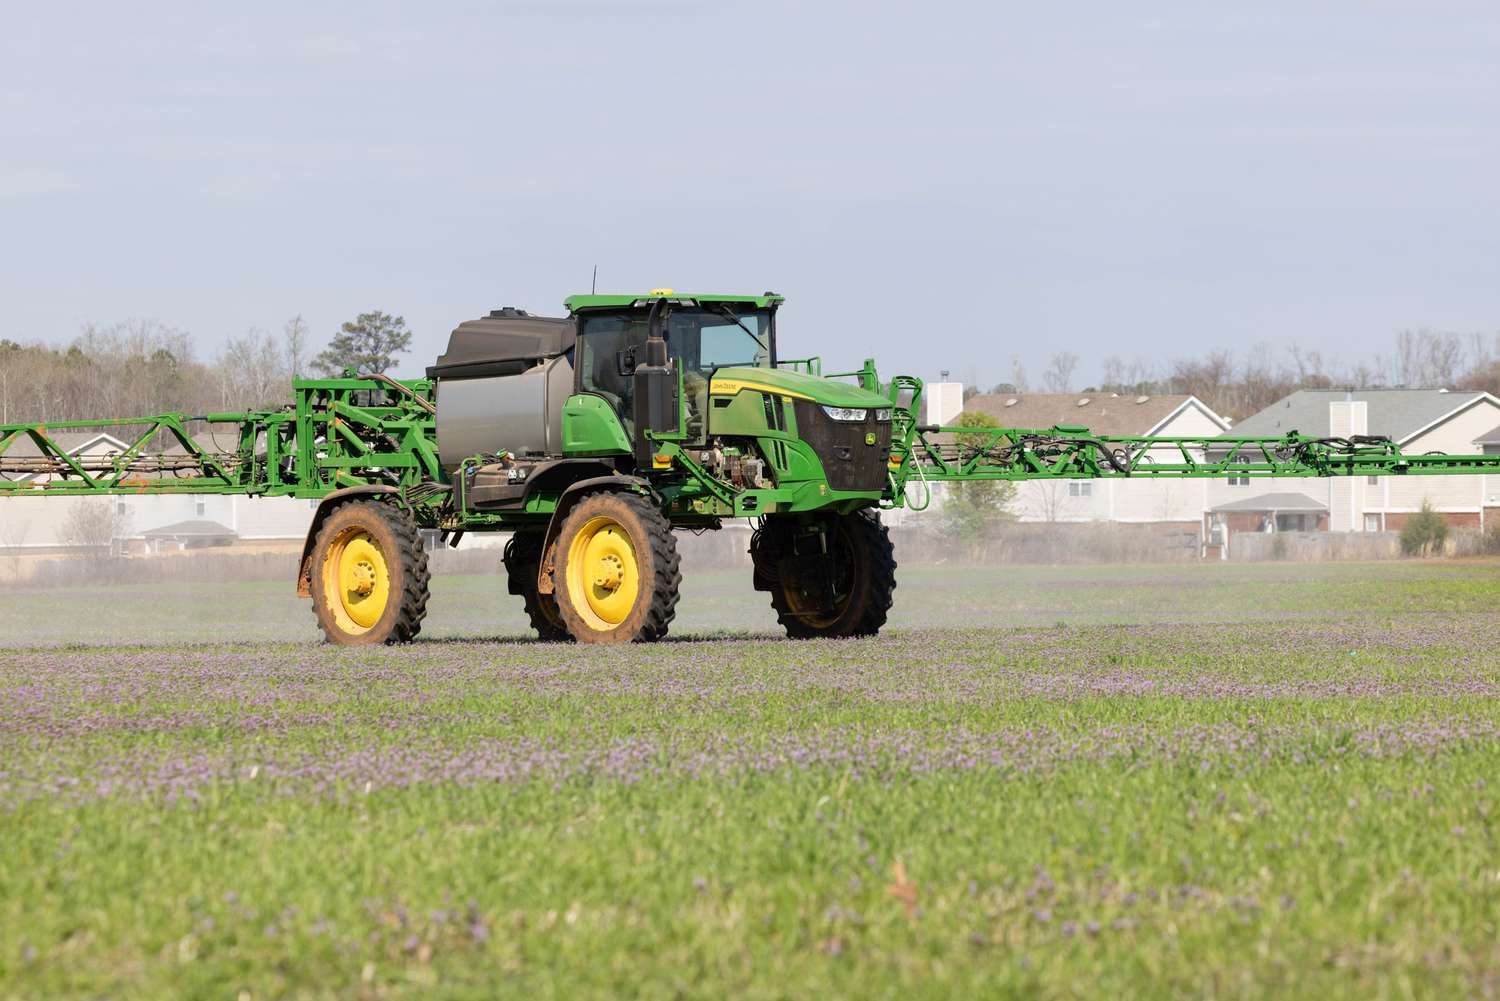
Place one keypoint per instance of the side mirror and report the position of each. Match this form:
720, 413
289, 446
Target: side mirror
625, 362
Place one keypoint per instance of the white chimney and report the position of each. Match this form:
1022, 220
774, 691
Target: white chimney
945, 401
1348, 417
1346, 494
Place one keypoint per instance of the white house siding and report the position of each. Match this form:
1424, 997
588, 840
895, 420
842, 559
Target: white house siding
32, 522
37, 522
1456, 494
254, 518
1356, 504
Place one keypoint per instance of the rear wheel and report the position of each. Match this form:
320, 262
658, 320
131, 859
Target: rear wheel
616, 573
369, 578
523, 561
831, 577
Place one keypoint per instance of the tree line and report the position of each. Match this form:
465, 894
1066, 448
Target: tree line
1238, 385
140, 368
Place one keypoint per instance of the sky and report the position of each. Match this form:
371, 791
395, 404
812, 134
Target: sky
939, 186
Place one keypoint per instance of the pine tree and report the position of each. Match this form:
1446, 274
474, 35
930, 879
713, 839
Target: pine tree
368, 344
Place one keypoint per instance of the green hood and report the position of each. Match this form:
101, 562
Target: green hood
828, 392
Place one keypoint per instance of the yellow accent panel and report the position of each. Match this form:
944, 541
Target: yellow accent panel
728, 387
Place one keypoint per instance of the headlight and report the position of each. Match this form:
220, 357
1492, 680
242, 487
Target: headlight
883, 415
845, 413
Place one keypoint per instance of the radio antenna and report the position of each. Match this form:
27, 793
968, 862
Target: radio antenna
594, 285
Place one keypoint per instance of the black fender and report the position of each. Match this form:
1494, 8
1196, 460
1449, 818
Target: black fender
326, 505
565, 503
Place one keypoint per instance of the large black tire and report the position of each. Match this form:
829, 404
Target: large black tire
848, 593
369, 575
616, 574
523, 560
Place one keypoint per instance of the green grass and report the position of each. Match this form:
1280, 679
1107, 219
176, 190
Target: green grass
1226, 781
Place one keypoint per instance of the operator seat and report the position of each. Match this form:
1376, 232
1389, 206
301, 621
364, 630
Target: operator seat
605, 381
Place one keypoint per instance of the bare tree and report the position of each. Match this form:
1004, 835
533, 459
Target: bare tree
1168, 500
1050, 496
1135, 378
1059, 375
1481, 354
1206, 379
1017, 374
1112, 374
294, 339
13, 532
251, 371
94, 524
1310, 368
1427, 358
1366, 375
10, 359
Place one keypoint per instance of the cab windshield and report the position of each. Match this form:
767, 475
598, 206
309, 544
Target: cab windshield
704, 338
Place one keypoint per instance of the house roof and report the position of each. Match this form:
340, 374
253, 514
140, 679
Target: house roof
71, 442
1395, 413
1281, 503
1101, 413
192, 529
1491, 437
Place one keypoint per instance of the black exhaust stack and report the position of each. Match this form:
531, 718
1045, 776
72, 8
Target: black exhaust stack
655, 386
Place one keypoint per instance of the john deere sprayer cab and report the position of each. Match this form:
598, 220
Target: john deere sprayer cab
591, 438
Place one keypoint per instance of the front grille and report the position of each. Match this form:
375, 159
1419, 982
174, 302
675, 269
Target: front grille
848, 462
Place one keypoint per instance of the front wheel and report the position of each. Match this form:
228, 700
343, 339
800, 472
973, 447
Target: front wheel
616, 575
830, 577
369, 578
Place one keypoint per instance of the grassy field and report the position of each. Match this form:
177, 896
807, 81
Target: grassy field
1225, 781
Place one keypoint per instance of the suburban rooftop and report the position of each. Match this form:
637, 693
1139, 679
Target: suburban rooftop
1102, 413
1395, 413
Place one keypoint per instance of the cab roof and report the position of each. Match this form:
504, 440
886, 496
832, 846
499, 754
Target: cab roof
625, 301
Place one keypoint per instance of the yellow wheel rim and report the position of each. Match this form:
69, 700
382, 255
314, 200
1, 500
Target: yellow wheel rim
356, 581
604, 577
811, 614
816, 617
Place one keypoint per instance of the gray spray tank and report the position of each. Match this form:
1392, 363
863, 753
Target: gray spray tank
501, 385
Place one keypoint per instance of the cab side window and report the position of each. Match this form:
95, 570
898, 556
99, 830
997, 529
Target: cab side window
604, 341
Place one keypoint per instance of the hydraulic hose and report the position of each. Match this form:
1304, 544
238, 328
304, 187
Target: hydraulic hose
926, 487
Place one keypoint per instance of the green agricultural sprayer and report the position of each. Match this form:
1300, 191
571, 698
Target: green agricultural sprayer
591, 438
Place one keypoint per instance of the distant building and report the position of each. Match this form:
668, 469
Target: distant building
1289, 512
1421, 421
192, 534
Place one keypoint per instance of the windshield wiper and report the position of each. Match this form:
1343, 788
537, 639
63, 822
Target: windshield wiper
728, 314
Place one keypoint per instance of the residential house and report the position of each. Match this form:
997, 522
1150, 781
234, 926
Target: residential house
1421, 421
